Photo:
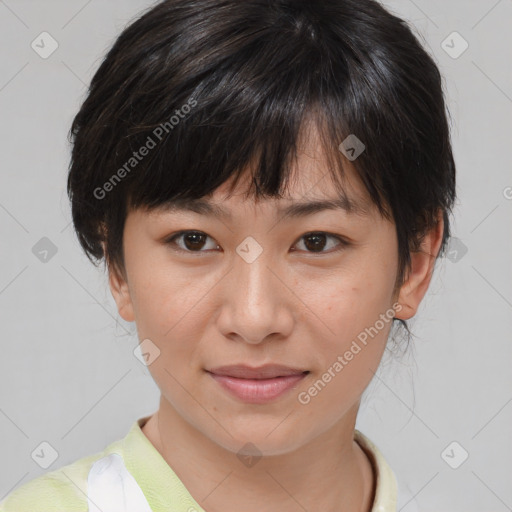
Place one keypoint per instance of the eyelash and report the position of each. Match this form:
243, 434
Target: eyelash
171, 241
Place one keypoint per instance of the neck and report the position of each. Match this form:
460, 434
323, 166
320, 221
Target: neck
329, 473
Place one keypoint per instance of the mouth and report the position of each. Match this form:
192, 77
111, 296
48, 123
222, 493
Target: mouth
257, 385
268, 371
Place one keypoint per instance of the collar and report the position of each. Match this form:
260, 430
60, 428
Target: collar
162, 486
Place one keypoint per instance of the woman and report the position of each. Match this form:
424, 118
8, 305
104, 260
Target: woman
269, 184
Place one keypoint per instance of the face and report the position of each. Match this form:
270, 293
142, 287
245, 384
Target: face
311, 291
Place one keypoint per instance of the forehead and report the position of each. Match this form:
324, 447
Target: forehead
310, 188
219, 206
312, 194
311, 173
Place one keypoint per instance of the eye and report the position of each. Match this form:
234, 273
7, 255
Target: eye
192, 241
316, 241
195, 241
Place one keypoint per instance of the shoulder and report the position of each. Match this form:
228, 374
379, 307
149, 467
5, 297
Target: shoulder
386, 488
391, 494
62, 489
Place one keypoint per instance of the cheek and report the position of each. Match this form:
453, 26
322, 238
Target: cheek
165, 298
356, 306
171, 309
169, 312
355, 299
361, 321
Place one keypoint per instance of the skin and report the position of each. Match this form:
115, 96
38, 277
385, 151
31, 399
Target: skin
295, 307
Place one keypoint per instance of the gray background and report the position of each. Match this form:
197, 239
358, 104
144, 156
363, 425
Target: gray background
68, 371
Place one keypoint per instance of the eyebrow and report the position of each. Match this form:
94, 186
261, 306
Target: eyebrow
297, 209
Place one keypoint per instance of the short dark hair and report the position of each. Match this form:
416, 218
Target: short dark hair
210, 87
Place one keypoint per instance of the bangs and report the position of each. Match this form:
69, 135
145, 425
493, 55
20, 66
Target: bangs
269, 155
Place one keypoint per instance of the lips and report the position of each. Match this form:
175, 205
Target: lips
257, 385
268, 371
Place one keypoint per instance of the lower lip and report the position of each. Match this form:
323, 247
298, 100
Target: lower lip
258, 391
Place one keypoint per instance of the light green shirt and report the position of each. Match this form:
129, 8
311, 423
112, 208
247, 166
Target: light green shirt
66, 489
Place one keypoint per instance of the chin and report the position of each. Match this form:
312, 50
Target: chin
265, 437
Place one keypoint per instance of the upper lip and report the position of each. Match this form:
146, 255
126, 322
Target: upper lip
267, 371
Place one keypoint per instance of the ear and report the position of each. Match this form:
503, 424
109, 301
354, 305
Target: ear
418, 279
121, 292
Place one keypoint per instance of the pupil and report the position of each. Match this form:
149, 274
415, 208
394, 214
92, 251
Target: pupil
195, 238
319, 242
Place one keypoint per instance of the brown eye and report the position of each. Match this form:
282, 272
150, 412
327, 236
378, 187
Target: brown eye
191, 241
316, 242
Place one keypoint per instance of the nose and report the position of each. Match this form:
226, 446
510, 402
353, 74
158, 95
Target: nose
256, 303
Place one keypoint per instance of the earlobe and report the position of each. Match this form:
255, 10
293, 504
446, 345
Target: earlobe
121, 293
418, 279
118, 286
